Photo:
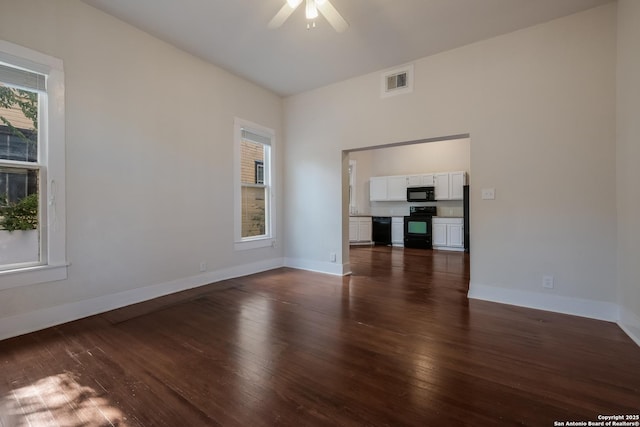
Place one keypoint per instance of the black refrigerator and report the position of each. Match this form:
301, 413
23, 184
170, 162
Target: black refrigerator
465, 210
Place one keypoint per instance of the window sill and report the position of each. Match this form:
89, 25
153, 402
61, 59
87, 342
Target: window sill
255, 244
32, 275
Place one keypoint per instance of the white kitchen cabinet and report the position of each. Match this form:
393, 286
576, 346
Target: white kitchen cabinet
353, 229
378, 188
454, 236
414, 181
441, 181
360, 229
449, 185
422, 180
388, 188
397, 188
364, 229
397, 231
428, 180
438, 234
457, 180
447, 233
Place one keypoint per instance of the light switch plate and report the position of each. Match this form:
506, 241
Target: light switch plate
488, 193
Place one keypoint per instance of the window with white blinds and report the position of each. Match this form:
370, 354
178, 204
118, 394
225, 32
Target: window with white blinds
22, 79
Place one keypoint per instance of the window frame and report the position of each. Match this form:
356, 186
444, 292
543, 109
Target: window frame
352, 186
258, 168
51, 164
269, 238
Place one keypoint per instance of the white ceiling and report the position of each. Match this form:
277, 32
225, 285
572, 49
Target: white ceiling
233, 34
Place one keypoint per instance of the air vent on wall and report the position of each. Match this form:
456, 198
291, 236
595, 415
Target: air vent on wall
397, 81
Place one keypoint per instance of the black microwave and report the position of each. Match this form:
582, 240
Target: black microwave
421, 194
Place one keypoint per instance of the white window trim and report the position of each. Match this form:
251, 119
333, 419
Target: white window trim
53, 234
260, 241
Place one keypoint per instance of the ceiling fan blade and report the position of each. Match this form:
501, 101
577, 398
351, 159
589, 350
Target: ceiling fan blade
282, 15
335, 19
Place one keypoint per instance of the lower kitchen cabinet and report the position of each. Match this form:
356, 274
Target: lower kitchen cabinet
438, 234
455, 237
448, 234
397, 231
360, 229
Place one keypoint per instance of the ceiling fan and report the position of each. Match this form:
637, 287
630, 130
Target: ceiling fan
311, 11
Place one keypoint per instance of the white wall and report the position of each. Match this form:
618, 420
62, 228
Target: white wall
437, 156
539, 105
628, 154
149, 137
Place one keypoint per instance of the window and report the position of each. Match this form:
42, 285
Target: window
32, 225
352, 188
254, 204
259, 171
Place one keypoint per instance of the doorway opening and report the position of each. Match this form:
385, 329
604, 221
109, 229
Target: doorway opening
400, 161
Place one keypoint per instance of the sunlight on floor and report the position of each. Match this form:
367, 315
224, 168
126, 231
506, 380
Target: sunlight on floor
57, 401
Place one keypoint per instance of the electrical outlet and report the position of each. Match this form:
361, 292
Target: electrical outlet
547, 282
332, 256
488, 193
203, 266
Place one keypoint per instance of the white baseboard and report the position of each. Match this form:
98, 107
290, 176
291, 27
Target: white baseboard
630, 323
346, 269
332, 268
575, 306
35, 320
448, 248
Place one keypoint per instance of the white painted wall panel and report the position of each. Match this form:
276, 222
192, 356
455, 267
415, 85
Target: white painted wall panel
539, 105
149, 142
628, 153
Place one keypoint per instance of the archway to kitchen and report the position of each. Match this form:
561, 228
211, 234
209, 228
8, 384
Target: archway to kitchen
440, 156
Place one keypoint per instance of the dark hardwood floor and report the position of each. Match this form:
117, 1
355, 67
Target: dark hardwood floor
396, 344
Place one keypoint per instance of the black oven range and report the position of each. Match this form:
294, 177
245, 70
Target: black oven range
417, 227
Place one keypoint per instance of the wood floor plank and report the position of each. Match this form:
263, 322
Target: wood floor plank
395, 344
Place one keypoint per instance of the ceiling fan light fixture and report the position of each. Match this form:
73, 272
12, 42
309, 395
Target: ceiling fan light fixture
311, 10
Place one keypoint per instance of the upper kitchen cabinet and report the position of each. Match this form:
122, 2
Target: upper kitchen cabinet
424, 180
457, 180
378, 188
414, 181
388, 188
441, 182
397, 188
449, 185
